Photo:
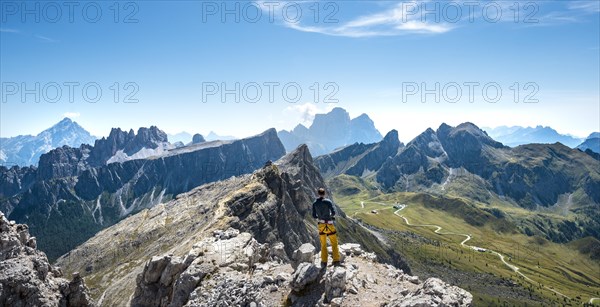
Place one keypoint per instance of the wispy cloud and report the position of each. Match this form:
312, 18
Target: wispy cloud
45, 38
411, 17
37, 36
392, 21
304, 113
7, 30
586, 6
570, 12
72, 115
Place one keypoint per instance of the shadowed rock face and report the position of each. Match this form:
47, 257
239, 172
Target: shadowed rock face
26, 276
359, 158
280, 208
67, 210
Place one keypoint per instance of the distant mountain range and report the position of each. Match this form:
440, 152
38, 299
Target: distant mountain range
517, 135
76, 192
592, 143
185, 137
330, 131
25, 150
465, 162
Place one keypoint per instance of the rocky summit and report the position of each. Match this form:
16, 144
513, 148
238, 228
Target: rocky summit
26, 276
236, 270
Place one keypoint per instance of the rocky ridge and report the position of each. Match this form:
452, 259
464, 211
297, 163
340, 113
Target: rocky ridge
68, 201
272, 204
26, 276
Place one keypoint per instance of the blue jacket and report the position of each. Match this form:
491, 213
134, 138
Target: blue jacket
323, 209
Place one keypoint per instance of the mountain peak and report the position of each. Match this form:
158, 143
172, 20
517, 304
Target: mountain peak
298, 157
593, 135
468, 125
65, 124
391, 136
198, 138
65, 120
338, 110
444, 126
466, 130
330, 131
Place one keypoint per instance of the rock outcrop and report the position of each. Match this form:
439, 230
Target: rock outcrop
434, 292
305, 274
169, 280
26, 276
237, 271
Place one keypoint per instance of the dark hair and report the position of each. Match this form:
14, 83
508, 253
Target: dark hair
321, 191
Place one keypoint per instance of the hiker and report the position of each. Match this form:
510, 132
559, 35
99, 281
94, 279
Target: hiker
324, 212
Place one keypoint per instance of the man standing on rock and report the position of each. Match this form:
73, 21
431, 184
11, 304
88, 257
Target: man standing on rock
324, 212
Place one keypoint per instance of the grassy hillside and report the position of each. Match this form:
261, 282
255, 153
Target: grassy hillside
566, 268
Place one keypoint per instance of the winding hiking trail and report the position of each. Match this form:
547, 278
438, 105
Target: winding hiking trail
468, 237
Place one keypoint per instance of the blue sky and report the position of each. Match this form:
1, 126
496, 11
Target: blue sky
177, 57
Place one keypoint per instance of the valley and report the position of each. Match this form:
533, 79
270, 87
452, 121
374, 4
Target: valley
522, 269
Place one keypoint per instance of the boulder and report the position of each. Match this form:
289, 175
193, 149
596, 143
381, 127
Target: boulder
351, 249
154, 268
305, 274
413, 279
172, 270
188, 281
277, 252
335, 284
434, 292
304, 253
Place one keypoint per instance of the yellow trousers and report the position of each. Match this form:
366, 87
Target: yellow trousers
328, 230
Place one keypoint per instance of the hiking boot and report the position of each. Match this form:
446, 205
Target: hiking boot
337, 263
323, 265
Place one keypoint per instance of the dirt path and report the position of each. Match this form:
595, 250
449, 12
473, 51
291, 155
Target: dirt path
468, 237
